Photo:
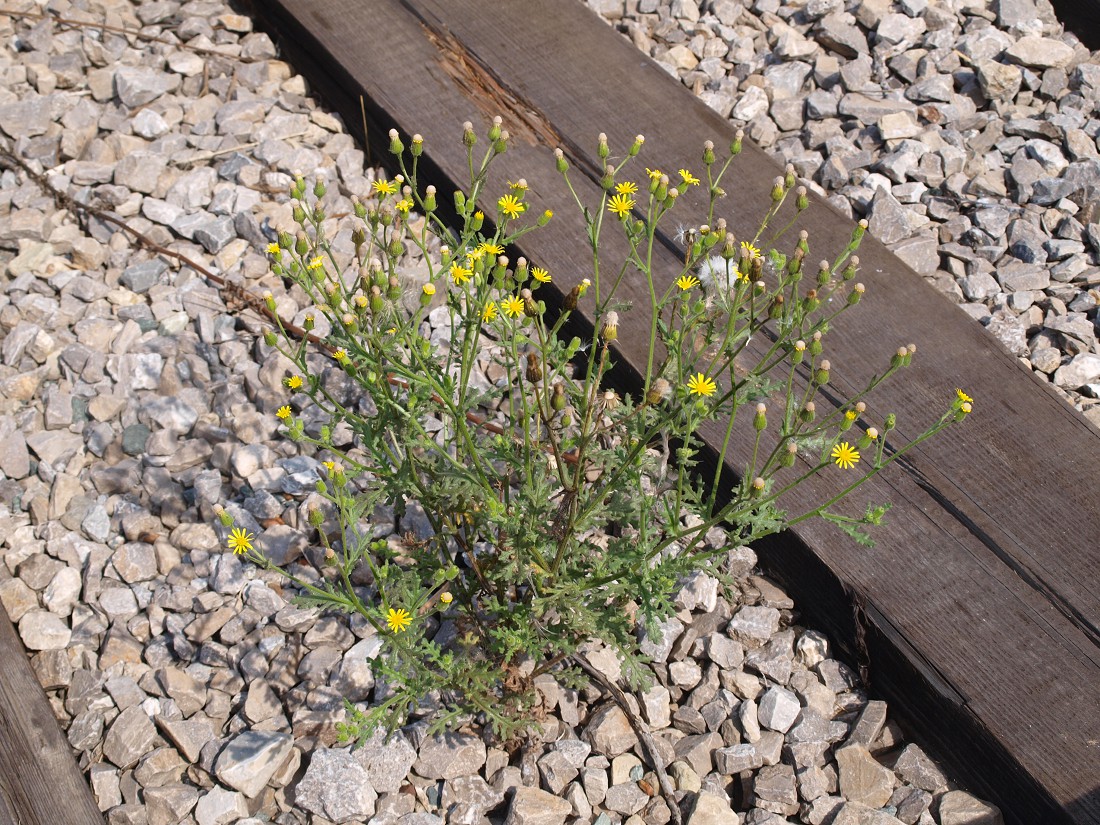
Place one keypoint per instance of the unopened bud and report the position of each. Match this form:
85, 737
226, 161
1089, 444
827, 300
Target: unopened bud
417, 148
534, 369
760, 420
708, 152
602, 149
807, 413
396, 146
821, 376
758, 485
788, 457
557, 399
610, 329
855, 294
636, 146
469, 138
735, 145
495, 130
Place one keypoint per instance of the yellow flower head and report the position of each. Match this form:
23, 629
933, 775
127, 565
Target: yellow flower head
490, 249
294, 382
628, 187
316, 263
686, 282
521, 185
490, 312
384, 187
240, 541
845, 455
687, 177
445, 597
963, 396
404, 205
340, 355
361, 301
461, 274
620, 205
398, 619
512, 306
511, 206
330, 466
851, 415
749, 251
428, 289
654, 174
700, 384
540, 275
273, 249
284, 412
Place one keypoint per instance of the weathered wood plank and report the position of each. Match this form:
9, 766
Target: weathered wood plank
981, 602
40, 783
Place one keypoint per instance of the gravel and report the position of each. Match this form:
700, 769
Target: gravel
966, 133
133, 400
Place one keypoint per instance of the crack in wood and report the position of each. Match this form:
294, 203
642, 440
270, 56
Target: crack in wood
484, 88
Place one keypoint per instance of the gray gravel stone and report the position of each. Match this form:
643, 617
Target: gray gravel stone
336, 787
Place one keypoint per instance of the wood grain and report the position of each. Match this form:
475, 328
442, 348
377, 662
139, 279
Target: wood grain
980, 604
40, 783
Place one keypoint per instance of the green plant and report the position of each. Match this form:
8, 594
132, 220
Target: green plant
521, 480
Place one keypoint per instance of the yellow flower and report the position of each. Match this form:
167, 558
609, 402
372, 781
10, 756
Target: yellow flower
404, 205
361, 301
340, 355
845, 455
521, 184
445, 597
540, 275
490, 312
620, 205
512, 306
384, 187
700, 384
316, 263
240, 541
654, 174
749, 251
626, 187
294, 382
398, 619
429, 289
686, 282
284, 412
511, 206
851, 415
963, 396
330, 466
460, 274
273, 249
491, 248
687, 177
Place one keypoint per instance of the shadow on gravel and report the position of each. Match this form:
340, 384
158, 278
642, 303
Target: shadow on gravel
1082, 17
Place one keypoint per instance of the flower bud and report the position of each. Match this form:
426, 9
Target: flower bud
661, 390
708, 152
460, 202
396, 146
788, 176
859, 232
821, 376
758, 486
495, 130
469, 138
285, 240
350, 322
534, 369
417, 148
636, 146
807, 413
760, 420
315, 516
301, 243
798, 351
802, 199
223, 516
855, 294
786, 459
307, 323
735, 145
602, 149
777, 190
570, 300
319, 189
815, 344
429, 199
610, 329
298, 188
269, 338
899, 358
810, 302
477, 220
530, 308
608, 179
557, 399
823, 273
560, 162
850, 270
545, 217
865, 441
889, 424
376, 300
